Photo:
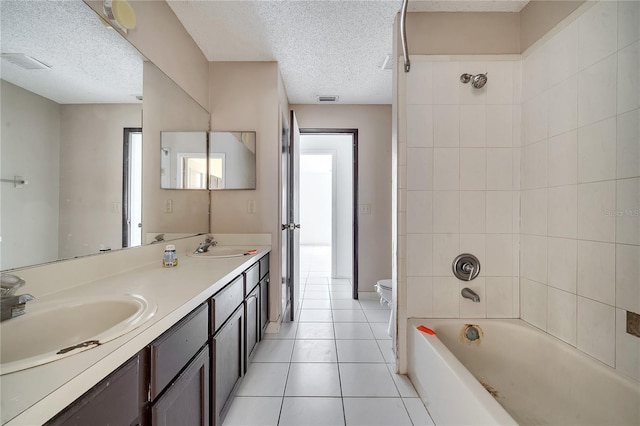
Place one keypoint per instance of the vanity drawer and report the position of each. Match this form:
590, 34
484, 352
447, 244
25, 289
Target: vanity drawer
172, 351
226, 301
264, 266
251, 278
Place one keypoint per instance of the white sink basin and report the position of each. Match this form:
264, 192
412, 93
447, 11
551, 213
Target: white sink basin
221, 252
49, 331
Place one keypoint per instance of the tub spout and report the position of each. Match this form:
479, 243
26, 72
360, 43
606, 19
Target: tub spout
467, 293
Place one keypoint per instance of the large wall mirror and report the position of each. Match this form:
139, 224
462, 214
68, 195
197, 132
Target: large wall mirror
215, 160
72, 128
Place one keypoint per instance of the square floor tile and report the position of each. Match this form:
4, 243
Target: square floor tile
387, 350
313, 379
375, 411
344, 315
345, 304
316, 304
315, 315
341, 295
314, 351
258, 411
274, 351
316, 294
353, 331
372, 380
297, 411
359, 351
373, 305
377, 315
315, 330
287, 331
380, 330
404, 385
418, 413
264, 379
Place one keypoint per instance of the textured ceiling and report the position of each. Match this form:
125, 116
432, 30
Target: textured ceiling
89, 62
323, 47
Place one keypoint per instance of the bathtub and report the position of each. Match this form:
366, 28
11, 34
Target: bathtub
513, 374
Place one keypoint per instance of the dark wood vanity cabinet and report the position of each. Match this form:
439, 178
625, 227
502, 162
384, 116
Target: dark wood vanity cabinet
124, 388
188, 375
180, 381
187, 400
228, 361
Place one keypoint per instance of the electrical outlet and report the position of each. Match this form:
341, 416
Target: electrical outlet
251, 206
168, 206
365, 208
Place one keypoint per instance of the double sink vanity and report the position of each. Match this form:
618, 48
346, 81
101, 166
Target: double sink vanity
142, 345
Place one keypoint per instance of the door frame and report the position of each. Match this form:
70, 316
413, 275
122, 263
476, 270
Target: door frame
126, 167
354, 134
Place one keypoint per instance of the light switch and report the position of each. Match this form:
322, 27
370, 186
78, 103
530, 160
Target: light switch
251, 206
168, 206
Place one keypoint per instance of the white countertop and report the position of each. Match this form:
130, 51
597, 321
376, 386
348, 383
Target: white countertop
33, 396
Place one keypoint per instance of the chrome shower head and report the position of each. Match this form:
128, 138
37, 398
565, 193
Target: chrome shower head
477, 81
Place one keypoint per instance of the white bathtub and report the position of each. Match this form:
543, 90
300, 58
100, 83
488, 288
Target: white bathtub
536, 379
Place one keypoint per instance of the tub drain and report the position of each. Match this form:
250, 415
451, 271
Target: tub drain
471, 333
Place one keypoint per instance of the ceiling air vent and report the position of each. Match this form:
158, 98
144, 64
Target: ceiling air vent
327, 99
388, 63
24, 61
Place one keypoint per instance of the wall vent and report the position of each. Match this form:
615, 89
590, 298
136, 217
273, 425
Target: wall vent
327, 99
24, 61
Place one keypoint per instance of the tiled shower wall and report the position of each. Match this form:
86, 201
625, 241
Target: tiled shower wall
558, 230
462, 153
580, 222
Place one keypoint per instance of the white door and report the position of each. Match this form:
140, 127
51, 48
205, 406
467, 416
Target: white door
290, 218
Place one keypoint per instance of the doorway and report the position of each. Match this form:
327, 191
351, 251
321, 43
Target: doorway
328, 201
132, 187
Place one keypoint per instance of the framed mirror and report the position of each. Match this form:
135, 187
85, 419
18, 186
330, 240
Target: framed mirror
231, 160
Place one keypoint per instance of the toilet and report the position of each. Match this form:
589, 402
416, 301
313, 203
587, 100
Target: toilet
384, 288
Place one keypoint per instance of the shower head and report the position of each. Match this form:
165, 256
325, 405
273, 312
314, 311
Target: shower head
477, 81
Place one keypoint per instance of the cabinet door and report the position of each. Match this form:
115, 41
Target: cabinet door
186, 401
264, 305
228, 345
116, 400
252, 320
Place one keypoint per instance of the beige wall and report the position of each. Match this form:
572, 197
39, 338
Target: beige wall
539, 16
91, 145
374, 178
448, 33
456, 33
30, 148
167, 107
162, 39
247, 96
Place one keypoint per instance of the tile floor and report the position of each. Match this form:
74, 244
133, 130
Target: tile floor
333, 366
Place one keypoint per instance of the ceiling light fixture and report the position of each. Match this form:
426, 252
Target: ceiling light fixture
120, 13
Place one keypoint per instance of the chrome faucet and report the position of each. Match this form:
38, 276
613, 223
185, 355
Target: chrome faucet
467, 293
206, 245
12, 306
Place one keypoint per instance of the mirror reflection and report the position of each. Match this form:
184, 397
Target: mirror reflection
231, 160
71, 128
